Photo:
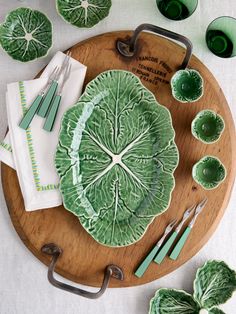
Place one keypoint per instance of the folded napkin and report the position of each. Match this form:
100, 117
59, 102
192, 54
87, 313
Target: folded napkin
6, 154
33, 150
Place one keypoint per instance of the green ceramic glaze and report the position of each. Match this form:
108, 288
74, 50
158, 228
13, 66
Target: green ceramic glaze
170, 301
116, 157
83, 13
26, 34
214, 284
209, 172
207, 126
187, 85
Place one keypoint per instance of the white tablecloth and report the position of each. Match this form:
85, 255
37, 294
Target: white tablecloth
24, 288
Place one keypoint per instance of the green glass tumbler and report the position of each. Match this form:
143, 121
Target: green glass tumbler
221, 37
177, 10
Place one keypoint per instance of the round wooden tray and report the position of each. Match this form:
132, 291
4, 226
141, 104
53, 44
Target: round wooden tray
83, 259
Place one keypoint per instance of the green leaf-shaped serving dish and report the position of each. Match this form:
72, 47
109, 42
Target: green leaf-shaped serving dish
171, 301
83, 13
208, 126
209, 172
26, 34
116, 157
187, 85
214, 284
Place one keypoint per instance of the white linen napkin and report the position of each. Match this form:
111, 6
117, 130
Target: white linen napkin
6, 154
34, 149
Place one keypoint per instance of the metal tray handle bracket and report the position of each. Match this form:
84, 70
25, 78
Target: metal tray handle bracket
111, 271
128, 48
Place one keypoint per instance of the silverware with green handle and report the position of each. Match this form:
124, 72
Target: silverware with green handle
28, 117
43, 110
148, 259
180, 244
51, 117
166, 247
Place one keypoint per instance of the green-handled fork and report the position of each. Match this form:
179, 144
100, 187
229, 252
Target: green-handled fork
28, 117
148, 259
166, 247
51, 117
43, 110
180, 244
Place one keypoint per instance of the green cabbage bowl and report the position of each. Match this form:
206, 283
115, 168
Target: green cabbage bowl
187, 86
83, 13
26, 34
209, 172
208, 126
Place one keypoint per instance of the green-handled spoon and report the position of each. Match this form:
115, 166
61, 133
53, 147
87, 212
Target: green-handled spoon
166, 247
180, 244
148, 259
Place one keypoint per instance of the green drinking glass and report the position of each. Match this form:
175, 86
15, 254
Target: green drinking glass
221, 37
177, 10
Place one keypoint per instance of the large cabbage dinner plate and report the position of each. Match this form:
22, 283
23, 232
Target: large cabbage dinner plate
115, 158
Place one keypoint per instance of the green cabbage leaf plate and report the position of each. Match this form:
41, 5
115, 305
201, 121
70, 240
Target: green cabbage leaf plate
83, 13
170, 301
26, 34
115, 158
214, 284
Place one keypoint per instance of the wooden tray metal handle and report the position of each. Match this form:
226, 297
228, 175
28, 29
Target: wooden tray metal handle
128, 47
111, 271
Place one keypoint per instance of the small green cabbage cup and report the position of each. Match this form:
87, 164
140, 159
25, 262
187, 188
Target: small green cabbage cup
209, 172
187, 85
207, 126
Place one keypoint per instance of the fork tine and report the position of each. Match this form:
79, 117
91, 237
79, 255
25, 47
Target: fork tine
54, 73
64, 63
203, 202
201, 205
68, 70
170, 226
173, 223
189, 210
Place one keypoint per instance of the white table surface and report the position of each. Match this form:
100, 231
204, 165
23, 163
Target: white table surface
24, 288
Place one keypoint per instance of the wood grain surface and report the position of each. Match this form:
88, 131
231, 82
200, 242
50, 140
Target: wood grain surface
83, 259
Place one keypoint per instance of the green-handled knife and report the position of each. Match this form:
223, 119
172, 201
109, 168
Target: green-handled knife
180, 244
166, 247
148, 259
